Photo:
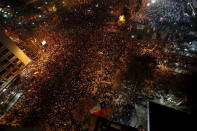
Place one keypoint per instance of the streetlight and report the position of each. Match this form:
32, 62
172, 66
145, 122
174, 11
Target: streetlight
153, 1
121, 20
44, 43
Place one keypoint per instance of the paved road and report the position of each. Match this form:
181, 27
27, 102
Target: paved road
13, 101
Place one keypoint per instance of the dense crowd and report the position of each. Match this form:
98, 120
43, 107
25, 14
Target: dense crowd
74, 72
66, 73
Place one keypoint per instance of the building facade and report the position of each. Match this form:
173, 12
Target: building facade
12, 60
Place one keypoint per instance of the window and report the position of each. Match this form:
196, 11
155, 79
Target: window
1, 83
8, 76
1, 45
4, 52
16, 60
21, 64
10, 66
10, 56
15, 70
4, 62
3, 72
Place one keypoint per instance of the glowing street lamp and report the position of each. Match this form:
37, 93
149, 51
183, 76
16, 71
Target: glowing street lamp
153, 1
44, 43
121, 20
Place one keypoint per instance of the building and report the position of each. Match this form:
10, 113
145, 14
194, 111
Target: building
12, 60
163, 118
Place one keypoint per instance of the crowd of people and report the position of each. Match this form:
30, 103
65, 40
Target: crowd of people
73, 72
64, 73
